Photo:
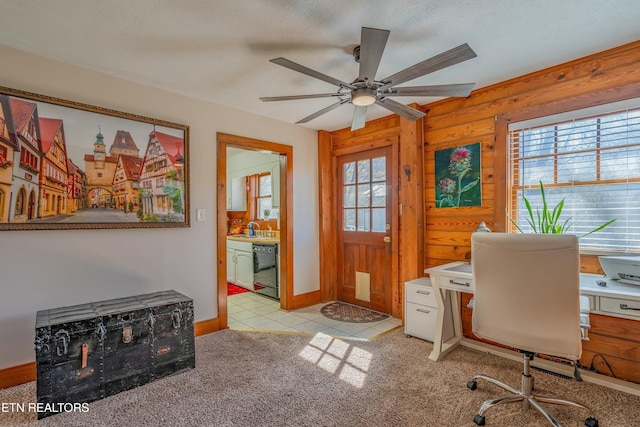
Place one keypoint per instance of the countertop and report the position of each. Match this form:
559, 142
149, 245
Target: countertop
256, 239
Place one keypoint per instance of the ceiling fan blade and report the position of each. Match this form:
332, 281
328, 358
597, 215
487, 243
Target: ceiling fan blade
372, 43
359, 117
462, 89
435, 63
321, 112
400, 109
309, 72
291, 97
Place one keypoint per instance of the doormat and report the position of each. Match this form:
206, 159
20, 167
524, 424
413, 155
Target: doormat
351, 313
235, 289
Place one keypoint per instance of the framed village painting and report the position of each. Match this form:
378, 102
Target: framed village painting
66, 165
458, 176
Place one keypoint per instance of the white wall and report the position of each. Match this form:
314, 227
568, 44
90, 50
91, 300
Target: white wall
47, 269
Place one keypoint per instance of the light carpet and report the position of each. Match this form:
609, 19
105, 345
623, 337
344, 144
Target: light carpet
272, 379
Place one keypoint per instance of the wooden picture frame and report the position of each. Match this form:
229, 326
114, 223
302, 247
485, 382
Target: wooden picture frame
67, 165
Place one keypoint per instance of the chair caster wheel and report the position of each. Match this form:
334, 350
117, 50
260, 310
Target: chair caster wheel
479, 420
591, 422
472, 385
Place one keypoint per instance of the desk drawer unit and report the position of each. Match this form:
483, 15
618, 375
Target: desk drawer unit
620, 306
457, 284
421, 310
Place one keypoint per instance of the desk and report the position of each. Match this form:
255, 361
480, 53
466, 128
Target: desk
448, 280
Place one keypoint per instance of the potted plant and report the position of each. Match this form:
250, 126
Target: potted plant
548, 221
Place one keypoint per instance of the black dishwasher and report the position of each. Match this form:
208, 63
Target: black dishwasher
265, 269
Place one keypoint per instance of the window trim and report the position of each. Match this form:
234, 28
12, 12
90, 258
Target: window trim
254, 195
530, 112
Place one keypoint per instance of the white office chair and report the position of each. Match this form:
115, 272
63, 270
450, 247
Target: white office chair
527, 296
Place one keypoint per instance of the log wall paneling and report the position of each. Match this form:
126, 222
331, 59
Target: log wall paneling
601, 78
613, 347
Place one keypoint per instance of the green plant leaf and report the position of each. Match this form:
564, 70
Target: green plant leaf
469, 186
531, 218
547, 222
566, 226
514, 223
599, 228
557, 211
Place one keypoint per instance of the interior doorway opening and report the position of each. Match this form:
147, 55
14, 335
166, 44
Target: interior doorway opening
285, 172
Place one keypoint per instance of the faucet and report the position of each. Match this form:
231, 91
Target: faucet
251, 230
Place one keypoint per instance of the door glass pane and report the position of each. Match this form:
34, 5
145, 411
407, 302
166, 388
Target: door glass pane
350, 219
364, 195
363, 219
379, 169
378, 216
349, 196
379, 192
364, 170
364, 187
350, 173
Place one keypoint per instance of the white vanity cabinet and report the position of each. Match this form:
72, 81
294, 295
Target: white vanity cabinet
240, 263
421, 310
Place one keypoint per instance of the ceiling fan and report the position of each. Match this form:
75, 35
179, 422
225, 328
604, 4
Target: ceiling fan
365, 90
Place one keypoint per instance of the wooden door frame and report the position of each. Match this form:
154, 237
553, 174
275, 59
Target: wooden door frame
393, 232
225, 140
408, 137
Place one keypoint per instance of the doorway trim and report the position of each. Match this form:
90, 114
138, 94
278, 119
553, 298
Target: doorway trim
225, 140
408, 137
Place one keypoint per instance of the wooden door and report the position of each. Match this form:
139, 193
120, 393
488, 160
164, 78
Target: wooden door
365, 229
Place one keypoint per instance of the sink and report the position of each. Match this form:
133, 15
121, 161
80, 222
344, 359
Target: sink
245, 236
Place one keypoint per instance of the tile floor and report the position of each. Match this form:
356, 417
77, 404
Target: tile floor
250, 311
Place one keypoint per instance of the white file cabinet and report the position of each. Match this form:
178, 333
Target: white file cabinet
421, 311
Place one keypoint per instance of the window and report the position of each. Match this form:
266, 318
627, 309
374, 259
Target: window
590, 158
263, 196
28, 159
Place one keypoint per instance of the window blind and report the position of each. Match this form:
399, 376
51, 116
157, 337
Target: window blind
592, 162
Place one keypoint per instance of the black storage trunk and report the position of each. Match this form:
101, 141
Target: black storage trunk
90, 351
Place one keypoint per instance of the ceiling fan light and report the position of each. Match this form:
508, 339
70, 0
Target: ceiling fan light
363, 97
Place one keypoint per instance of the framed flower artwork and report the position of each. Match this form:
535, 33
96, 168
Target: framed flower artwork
458, 176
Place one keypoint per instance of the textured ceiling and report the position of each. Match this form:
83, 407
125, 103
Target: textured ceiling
219, 50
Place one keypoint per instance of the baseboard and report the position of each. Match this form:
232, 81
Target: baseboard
17, 375
205, 327
591, 377
20, 374
305, 300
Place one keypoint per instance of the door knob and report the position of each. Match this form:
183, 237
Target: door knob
386, 239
